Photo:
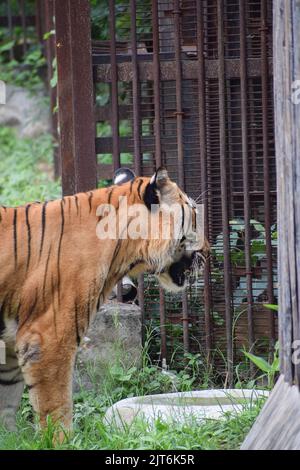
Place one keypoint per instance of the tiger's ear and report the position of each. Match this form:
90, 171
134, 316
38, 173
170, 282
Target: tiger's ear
157, 182
123, 175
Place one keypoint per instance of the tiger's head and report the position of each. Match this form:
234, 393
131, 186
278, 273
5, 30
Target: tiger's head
171, 244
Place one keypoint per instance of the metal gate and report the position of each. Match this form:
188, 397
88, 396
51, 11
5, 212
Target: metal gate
189, 86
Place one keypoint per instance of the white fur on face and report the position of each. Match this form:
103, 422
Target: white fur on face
167, 283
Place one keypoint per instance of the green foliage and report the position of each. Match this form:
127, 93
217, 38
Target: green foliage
272, 307
100, 19
25, 73
269, 369
23, 70
26, 169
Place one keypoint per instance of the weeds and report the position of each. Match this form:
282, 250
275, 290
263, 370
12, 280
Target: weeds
26, 173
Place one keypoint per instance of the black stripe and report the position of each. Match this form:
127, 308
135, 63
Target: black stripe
31, 310
77, 206
13, 369
131, 185
69, 206
45, 274
139, 188
90, 201
43, 227
78, 339
53, 305
2, 311
29, 236
110, 195
59, 247
15, 237
10, 382
89, 308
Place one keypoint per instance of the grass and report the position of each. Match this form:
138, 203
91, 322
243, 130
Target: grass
26, 175
92, 433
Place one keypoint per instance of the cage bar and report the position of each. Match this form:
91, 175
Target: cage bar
245, 161
223, 169
266, 166
204, 176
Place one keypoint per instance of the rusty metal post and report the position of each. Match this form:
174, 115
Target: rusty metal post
135, 92
137, 136
180, 154
246, 186
114, 86
50, 55
267, 202
156, 83
75, 95
224, 186
39, 20
204, 182
158, 156
114, 102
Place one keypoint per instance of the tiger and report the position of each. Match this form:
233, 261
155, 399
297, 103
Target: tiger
56, 272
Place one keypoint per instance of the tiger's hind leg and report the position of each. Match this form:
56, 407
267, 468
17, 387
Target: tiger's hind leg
47, 366
11, 389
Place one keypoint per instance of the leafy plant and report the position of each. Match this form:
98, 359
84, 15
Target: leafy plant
269, 369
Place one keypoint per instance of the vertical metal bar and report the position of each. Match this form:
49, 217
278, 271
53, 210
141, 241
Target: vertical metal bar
75, 95
203, 160
10, 28
158, 156
246, 188
137, 135
135, 92
114, 102
114, 86
267, 201
156, 83
224, 195
178, 77
23, 22
50, 54
180, 152
38, 20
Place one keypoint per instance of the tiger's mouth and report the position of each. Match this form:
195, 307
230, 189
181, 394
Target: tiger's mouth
175, 277
181, 270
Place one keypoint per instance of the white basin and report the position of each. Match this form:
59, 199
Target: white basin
202, 404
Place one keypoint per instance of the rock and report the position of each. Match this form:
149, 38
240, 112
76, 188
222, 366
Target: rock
114, 336
27, 111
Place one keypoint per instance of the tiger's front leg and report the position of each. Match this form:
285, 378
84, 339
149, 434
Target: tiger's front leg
47, 365
11, 389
